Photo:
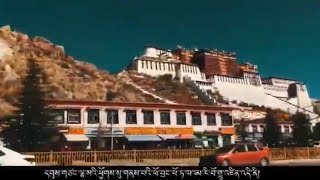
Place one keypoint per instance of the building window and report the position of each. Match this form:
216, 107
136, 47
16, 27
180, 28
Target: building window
93, 116
150, 64
57, 115
148, 117
211, 119
226, 120
142, 64
286, 129
131, 117
261, 128
147, 63
160, 65
165, 117
196, 118
112, 116
181, 118
164, 66
254, 128
156, 63
73, 116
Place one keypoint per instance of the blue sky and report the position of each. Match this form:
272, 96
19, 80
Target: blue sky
281, 37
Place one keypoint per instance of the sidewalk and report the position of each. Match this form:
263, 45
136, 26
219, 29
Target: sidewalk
296, 162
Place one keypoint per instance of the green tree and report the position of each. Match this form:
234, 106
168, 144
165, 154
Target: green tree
316, 132
31, 125
271, 133
301, 129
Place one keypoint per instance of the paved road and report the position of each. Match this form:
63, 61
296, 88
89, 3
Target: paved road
296, 162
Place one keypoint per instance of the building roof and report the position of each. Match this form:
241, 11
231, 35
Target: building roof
157, 47
216, 74
261, 121
146, 58
76, 103
274, 77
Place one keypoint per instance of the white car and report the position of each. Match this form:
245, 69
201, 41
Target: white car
9, 157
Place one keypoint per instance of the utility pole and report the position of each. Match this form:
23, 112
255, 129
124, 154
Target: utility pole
112, 118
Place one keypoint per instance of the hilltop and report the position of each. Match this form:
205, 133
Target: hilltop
68, 78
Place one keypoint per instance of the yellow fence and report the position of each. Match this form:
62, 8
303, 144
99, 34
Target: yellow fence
68, 158
294, 153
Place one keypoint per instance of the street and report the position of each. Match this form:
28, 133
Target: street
296, 162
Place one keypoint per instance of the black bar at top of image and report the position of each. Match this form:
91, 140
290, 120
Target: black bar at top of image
158, 172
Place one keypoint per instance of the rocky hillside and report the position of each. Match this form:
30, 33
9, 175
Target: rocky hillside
68, 78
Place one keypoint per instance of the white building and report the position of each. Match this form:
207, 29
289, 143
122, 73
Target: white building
143, 122
288, 95
255, 128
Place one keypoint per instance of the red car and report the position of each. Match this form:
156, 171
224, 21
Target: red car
243, 154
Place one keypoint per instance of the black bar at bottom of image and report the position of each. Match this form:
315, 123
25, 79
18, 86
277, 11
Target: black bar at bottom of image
157, 172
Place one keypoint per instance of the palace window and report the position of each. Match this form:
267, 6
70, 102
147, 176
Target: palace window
165, 117
211, 119
112, 116
160, 65
196, 118
156, 65
131, 117
93, 116
226, 120
73, 116
147, 64
57, 115
181, 118
148, 117
142, 64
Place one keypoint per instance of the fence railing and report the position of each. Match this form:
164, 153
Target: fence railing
68, 158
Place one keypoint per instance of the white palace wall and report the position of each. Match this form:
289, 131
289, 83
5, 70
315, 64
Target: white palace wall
155, 68
239, 89
159, 68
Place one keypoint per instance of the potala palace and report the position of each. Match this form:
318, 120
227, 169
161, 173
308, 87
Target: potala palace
208, 70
